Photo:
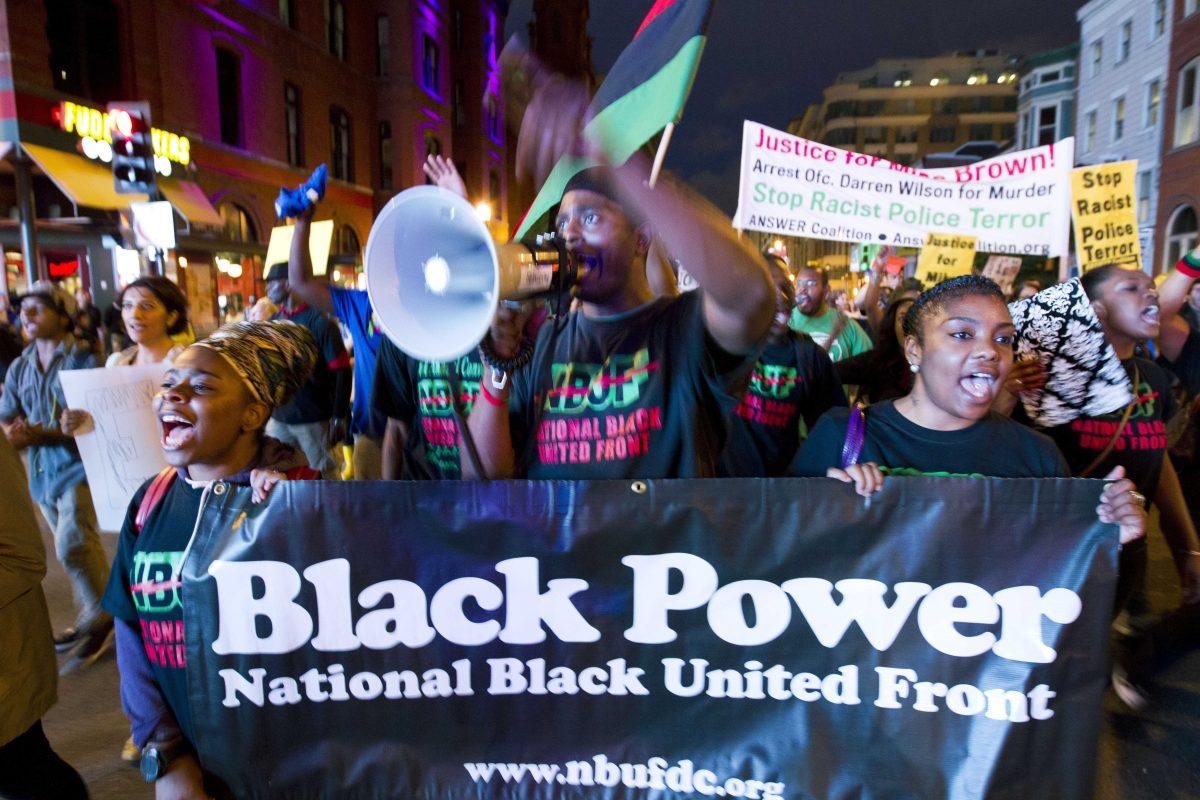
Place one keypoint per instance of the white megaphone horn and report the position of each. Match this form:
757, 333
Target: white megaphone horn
435, 276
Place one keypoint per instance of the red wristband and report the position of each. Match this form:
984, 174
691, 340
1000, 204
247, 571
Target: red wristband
491, 398
1188, 267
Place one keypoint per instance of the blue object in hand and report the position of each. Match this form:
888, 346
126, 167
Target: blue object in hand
292, 203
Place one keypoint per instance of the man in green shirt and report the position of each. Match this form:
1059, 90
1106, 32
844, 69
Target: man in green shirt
839, 335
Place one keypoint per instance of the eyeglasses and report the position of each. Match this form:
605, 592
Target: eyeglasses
808, 284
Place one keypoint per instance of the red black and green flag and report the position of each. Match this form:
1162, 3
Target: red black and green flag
644, 92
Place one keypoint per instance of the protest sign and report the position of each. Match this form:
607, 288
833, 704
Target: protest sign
548, 639
1003, 270
1014, 203
121, 448
1104, 207
945, 256
320, 242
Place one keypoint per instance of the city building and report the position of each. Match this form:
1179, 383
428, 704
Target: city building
1046, 97
905, 109
247, 97
1179, 187
1122, 79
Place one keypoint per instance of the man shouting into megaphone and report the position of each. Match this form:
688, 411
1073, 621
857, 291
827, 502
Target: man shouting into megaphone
628, 385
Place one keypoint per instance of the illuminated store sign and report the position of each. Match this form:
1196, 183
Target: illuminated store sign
92, 127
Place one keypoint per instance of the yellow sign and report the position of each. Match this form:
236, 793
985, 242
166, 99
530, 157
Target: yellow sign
319, 244
91, 123
1104, 206
945, 256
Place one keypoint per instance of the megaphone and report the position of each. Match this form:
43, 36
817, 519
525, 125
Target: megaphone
435, 277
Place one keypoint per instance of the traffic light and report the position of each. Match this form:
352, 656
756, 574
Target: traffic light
132, 148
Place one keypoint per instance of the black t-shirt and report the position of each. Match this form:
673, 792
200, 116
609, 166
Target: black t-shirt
792, 380
994, 447
1143, 442
1187, 366
419, 394
144, 588
642, 394
314, 402
876, 380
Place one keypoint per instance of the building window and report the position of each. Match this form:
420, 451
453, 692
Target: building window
1007, 132
1143, 195
459, 102
348, 243
903, 79
1118, 119
1047, 128
237, 224
433, 145
1153, 102
1189, 8
1160, 18
429, 64
1097, 56
907, 134
85, 47
341, 165
1089, 135
385, 156
1181, 236
287, 12
383, 46
292, 125
874, 134
494, 191
491, 120
335, 28
945, 134
981, 132
1050, 77
229, 96
1027, 133
1187, 108
1126, 41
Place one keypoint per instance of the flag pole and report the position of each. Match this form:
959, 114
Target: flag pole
662, 153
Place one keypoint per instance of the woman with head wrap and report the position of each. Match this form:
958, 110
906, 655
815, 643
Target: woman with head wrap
213, 406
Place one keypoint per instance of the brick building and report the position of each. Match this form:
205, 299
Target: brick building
261, 92
1179, 185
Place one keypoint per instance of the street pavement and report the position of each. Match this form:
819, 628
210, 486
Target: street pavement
1152, 755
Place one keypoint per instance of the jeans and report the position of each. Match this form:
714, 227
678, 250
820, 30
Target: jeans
31, 770
72, 518
309, 437
368, 458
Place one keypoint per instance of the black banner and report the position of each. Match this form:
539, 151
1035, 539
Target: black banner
737, 638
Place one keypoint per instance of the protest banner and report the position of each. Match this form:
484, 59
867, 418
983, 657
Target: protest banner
1104, 207
548, 639
1003, 270
945, 256
121, 448
1014, 203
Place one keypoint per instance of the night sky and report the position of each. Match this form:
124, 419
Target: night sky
767, 60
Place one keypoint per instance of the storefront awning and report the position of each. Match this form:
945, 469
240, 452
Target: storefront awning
86, 183
191, 202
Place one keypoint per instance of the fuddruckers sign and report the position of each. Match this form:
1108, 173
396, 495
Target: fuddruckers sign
742, 638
